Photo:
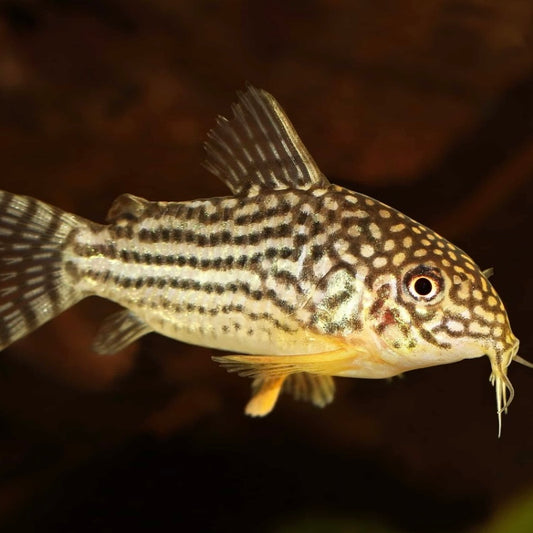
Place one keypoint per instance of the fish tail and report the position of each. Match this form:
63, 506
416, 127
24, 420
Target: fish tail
33, 283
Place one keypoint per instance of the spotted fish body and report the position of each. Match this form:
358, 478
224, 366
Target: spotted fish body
308, 279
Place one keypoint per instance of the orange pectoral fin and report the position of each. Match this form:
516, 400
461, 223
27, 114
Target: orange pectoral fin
324, 363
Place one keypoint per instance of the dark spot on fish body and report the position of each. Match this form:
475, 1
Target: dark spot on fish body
256, 258
219, 289
123, 231
302, 218
271, 253
156, 234
201, 240
144, 235
376, 306
176, 235
285, 252
317, 252
301, 239
225, 237
283, 230
181, 260
267, 232
241, 262
332, 216
317, 228
257, 295
193, 261
214, 239
256, 217
203, 217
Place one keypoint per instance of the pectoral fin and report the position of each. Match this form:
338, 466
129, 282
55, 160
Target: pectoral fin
118, 331
272, 366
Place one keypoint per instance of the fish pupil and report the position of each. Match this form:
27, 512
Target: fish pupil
423, 286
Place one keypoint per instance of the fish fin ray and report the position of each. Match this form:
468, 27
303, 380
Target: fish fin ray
325, 363
488, 272
33, 284
265, 393
523, 361
118, 331
126, 207
259, 146
316, 389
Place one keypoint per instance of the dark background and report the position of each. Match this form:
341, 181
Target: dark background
427, 106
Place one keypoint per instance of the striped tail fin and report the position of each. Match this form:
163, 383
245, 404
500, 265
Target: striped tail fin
33, 288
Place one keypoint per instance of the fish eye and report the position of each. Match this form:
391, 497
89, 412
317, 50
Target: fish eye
423, 283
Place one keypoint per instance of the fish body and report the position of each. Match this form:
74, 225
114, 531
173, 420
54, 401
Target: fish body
308, 279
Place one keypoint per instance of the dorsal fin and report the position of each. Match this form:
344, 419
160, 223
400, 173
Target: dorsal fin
126, 207
259, 146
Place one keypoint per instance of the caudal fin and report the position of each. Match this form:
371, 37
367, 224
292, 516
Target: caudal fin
33, 288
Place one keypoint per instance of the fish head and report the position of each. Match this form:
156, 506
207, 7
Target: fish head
434, 305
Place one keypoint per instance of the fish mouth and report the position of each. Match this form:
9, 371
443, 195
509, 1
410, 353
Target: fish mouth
498, 378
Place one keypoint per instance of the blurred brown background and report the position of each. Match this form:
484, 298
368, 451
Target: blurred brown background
426, 105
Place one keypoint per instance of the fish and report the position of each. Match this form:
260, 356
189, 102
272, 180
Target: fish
300, 279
